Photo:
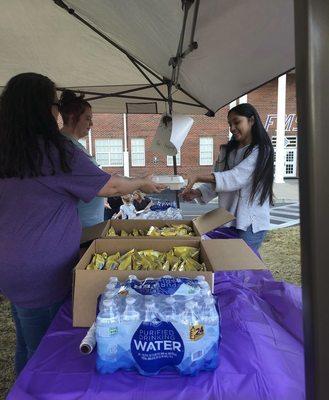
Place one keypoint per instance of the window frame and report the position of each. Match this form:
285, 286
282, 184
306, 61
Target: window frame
131, 152
109, 164
212, 151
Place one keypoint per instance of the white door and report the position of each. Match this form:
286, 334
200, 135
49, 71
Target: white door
290, 155
290, 162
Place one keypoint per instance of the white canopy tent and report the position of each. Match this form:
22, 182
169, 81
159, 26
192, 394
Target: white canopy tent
113, 46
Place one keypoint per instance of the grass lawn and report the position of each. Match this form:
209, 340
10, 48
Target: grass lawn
280, 251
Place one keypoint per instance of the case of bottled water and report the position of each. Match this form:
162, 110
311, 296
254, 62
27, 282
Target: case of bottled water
156, 324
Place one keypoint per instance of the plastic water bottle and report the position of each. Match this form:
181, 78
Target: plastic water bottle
150, 311
114, 279
130, 313
188, 317
131, 319
210, 319
110, 293
204, 293
108, 338
168, 313
193, 332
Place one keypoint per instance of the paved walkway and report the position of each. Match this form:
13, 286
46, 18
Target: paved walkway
284, 216
287, 192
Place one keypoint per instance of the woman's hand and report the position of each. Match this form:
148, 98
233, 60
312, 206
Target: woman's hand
189, 195
190, 183
149, 186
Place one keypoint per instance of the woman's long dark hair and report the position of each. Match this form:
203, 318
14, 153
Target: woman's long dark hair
263, 174
28, 129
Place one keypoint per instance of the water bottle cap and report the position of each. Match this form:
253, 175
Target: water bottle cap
170, 300
130, 300
108, 295
110, 286
108, 303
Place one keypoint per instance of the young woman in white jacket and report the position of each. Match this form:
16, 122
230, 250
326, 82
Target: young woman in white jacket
243, 176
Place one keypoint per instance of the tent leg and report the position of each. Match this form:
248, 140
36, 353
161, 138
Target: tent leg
175, 173
312, 78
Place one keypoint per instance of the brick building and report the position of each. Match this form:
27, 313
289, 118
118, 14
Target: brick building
202, 144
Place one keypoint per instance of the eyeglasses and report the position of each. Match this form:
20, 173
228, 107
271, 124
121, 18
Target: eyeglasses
56, 104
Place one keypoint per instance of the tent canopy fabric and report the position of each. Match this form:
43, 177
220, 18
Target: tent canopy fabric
241, 45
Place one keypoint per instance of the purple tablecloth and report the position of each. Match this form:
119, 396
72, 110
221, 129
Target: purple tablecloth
261, 353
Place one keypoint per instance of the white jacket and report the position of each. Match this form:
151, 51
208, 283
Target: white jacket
233, 188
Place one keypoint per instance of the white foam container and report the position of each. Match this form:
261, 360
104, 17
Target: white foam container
173, 182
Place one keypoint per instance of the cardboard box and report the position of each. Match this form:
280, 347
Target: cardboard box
200, 225
217, 254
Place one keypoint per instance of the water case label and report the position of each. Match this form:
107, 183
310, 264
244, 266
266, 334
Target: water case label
156, 345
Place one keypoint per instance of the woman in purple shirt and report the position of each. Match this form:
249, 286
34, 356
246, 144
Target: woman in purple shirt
39, 243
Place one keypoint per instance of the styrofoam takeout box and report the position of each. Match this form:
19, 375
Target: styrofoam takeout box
173, 182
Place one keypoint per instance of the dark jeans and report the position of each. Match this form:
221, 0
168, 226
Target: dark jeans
253, 240
31, 325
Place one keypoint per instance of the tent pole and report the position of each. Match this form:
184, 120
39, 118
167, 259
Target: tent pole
109, 94
312, 79
144, 98
187, 4
147, 78
71, 11
169, 86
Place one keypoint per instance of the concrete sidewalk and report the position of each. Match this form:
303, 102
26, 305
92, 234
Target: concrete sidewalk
287, 192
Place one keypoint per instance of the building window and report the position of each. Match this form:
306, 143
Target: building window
109, 152
138, 152
206, 151
170, 160
83, 142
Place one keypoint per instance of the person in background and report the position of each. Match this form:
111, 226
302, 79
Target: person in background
77, 120
141, 202
39, 243
112, 206
243, 176
127, 210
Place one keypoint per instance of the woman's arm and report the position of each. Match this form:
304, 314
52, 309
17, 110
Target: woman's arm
198, 179
119, 185
230, 180
237, 177
117, 215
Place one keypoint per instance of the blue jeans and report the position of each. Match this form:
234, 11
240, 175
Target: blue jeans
31, 325
253, 240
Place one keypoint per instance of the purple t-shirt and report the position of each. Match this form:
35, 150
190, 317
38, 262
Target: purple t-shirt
40, 230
